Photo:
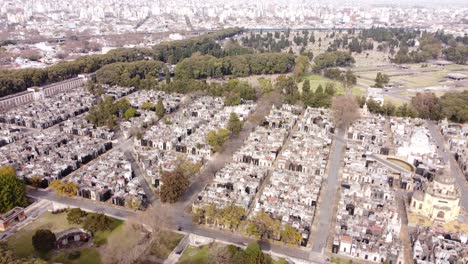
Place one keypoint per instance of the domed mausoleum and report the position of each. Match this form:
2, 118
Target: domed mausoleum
439, 200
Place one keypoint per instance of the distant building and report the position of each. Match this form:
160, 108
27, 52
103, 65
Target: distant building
12, 217
457, 76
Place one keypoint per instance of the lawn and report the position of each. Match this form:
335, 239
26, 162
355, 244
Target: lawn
87, 255
316, 80
200, 255
195, 255
365, 82
165, 243
21, 242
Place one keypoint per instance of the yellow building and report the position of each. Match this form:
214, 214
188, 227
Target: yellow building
439, 200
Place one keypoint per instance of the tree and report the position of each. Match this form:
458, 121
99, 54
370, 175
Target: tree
331, 59
348, 79
97, 222
263, 226
254, 254
234, 124
406, 110
130, 113
43, 240
381, 80
64, 188
12, 190
455, 106
290, 235
306, 86
36, 181
373, 106
160, 111
319, 89
345, 110
302, 67
147, 106
76, 216
216, 139
231, 216
427, 105
287, 86
173, 186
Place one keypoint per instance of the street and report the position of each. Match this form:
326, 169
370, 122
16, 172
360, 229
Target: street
448, 159
325, 216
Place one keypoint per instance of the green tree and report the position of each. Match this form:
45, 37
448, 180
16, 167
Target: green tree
406, 110
64, 188
254, 254
290, 235
263, 226
381, 80
12, 190
216, 139
455, 106
147, 106
373, 106
43, 240
97, 222
349, 79
302, 67
231, 216
160, 111
130, 113
306, 86
319, 89
76, 216
35, 181
234, 124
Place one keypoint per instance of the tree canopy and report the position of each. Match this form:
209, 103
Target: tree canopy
204, 66
43, 240
331, 59
234, 124
345, 110
12, 190
64, 188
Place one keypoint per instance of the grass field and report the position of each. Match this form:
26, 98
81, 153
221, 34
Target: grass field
200, 255
21, 242
165, 243
316, 80
195, 255
87, 255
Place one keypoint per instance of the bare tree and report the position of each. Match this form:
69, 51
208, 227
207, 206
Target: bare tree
345, 110
140, 233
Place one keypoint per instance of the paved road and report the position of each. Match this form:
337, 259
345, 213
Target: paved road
325, 216
448, 159
85, 204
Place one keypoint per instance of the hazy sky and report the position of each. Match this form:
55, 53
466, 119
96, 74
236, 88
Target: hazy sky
405, 2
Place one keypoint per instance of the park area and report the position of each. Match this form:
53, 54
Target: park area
316, 80
220, 253
21, 242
